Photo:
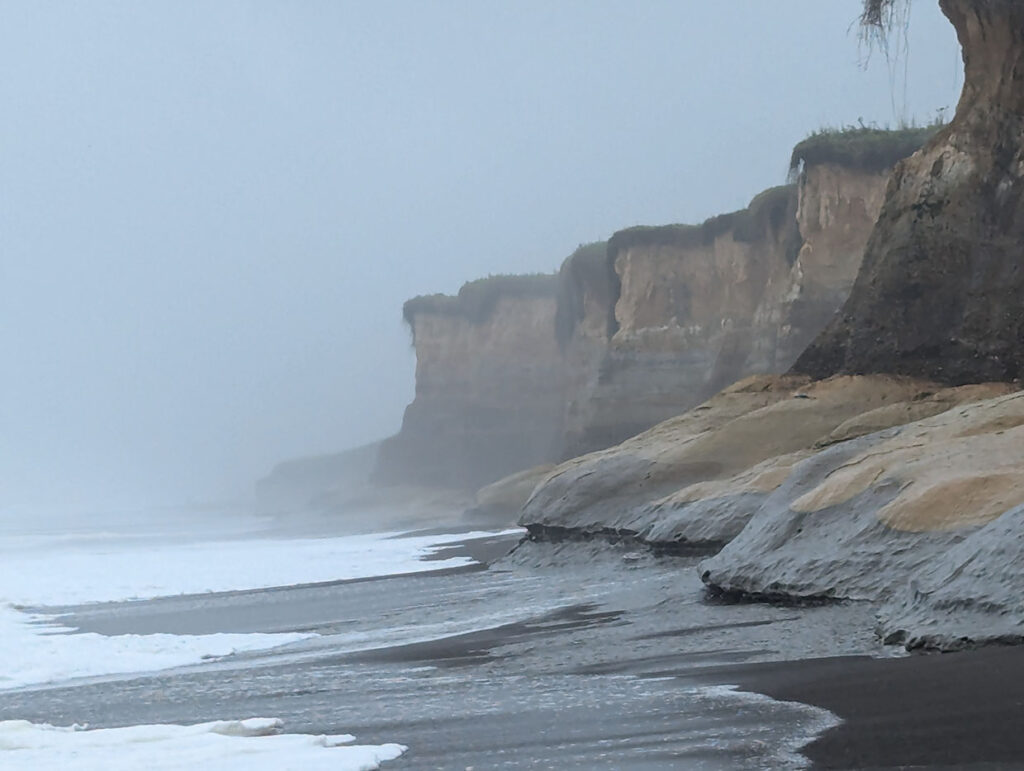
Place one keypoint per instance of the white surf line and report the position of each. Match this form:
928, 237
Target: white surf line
784, 746
31, 654
256, 744
91, 572
34, 654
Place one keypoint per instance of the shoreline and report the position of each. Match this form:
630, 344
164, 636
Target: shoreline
951, 710
610, 635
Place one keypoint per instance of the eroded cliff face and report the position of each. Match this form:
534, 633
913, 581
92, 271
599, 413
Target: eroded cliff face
942, 283
837, 211
680, 325
489, 386
588, 289
693, 309
631, 332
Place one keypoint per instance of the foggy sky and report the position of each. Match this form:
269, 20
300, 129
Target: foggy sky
211, 212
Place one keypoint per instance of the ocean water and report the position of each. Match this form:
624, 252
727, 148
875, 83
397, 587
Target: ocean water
233, 648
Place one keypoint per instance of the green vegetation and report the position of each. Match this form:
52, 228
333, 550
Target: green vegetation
476, 300
770, 210
588, 269
679, 236
861, 147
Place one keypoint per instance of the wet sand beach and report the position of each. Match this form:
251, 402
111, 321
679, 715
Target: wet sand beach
954, 710
575, 655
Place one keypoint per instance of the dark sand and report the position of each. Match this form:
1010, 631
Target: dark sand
571, 656
959, 710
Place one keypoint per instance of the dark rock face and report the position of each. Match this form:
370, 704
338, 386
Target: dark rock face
940, 291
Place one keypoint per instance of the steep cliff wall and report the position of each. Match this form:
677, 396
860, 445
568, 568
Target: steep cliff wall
587, 290
518, 371
940, 291
489, 385
684, 311
839, 202
680, 326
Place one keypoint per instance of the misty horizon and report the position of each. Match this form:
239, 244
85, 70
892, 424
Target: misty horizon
213, 213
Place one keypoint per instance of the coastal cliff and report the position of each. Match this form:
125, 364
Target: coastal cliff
679, 312
914, 500
515, 372
840, 197
925, 518
681, 324
940, 291
489, 385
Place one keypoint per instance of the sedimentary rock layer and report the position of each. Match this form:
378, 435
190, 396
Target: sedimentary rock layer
700, 477
691, 309
518, 371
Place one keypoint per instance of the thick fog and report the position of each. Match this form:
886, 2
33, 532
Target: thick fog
211, 213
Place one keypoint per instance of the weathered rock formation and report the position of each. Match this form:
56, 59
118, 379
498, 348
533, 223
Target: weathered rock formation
519, 371
969, 594
681, 328
926, 516
680, 312
697, 479
942, 284
489, 385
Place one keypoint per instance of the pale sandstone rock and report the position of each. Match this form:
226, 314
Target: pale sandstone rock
507, 496
695, 310
861, 519
699, 477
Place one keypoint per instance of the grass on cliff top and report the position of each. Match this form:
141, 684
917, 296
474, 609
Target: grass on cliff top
769, 210
867, 148
476, 300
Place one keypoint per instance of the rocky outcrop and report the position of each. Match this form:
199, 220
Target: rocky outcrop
697, 479
941, 287
489, 385
969, 594
865, 517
